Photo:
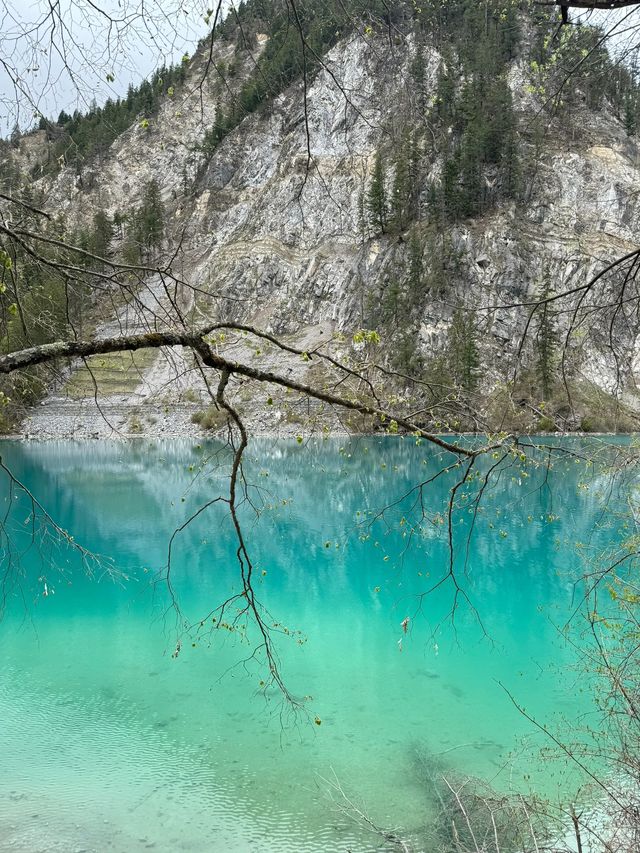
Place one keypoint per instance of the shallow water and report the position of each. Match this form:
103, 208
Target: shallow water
109, 742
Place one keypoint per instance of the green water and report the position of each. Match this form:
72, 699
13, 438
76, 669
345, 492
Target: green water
110, 743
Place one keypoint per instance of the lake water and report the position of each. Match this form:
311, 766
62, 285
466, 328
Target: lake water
109, 742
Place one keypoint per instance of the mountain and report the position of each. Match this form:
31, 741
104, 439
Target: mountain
427, 170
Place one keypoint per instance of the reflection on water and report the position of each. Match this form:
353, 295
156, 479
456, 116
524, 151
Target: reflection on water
110, 742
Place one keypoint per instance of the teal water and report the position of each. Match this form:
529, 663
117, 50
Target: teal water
109, 742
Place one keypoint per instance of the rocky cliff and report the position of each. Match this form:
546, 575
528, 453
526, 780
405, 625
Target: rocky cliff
268, 229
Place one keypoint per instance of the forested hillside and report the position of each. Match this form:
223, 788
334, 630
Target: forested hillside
382, 177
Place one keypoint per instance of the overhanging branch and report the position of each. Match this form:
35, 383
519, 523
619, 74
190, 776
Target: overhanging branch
195, 340
589, 4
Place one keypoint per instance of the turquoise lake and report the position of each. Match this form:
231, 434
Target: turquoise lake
110, 742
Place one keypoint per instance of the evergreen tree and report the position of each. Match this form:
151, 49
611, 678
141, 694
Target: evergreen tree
474, 124
393, 302
406, 353
471, 178
436, 279
418, 70
401, 190
377, 197
546, 341
118, 223
511, 173
405, 191
149, 225
185, 181
448, 200
416, 266
217, 133
363, 218
131, 253
445, 95
415, 178
101, 235
82, 239
462, 349
630, 116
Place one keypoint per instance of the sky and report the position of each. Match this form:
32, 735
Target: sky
65, 55
621, 25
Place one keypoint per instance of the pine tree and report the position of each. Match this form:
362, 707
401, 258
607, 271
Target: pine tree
419, 72
445, 94
462, 349
101, 235
511, 173
405, 191
363, 218
416, 266
546, 341
471, 180
214, 136
149, 226
392, 303
377, 197
448, 199
82, 239
401, 191
630, 116
185, 181
406, 354
118, 223
413, 156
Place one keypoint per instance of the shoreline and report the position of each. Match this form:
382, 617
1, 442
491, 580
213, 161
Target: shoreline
285, 435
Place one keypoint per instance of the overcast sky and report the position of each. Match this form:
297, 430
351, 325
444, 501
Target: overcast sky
63, 59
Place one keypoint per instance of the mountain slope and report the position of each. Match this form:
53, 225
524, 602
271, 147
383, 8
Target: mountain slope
275, 228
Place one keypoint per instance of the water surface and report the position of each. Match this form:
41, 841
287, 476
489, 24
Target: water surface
112, 742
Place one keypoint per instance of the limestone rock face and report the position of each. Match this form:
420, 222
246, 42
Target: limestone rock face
270, 224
